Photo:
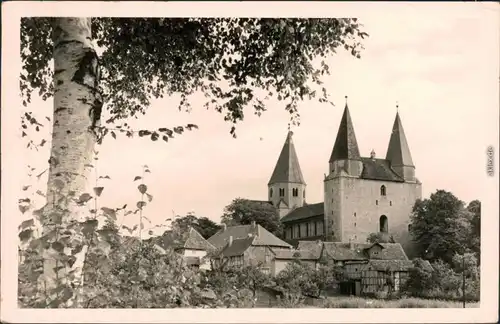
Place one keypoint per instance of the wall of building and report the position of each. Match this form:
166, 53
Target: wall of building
332, 221
292, 202
357, 206
314, 228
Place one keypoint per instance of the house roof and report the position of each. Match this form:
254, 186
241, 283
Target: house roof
262, 202
306, 211
314, 247
262, 236
191, 240
343, 252
237, 247
346, 146
287, 168
398, 151
293, 254
391, 265
378, 169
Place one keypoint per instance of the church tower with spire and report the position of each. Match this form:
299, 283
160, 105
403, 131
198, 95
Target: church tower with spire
398, 152
287, 188
365, 195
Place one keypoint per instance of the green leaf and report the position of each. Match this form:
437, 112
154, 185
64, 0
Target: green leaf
109, 212
89, 226
150, 197
142, 188
141, 204
24, 208
26, 235
58, 246
84, 198
98, 191
137, 178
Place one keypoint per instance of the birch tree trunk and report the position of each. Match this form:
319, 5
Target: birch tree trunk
77, 110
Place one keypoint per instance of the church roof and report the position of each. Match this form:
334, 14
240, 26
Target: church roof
378, 169
398, 151
262, 236
305, 211
346, 146
287, 168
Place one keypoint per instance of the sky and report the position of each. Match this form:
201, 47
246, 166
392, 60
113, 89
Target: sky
441, 70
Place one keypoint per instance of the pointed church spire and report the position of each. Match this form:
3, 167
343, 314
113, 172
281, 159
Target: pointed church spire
398, 151
346, 146
287, 168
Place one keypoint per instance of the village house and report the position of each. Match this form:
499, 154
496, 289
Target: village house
248, 245
190, 244
368, 268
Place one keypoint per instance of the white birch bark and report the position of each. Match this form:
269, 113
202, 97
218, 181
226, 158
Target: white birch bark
76, 97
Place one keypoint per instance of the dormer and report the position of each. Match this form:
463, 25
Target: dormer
374, 251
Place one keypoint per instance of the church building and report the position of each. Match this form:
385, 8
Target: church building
362, 195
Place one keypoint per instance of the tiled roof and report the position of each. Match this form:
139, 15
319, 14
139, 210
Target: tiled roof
398, 151
238, 247
378, 169
342, 252
287, 168
190, 239
314, 247
263, 236
305, 211
391, 265
346, 146
292, 254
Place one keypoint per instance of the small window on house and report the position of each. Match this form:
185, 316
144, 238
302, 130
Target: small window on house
390, 203
376, 202
282, 192
354, 214
355, 224
355, 269
382, 190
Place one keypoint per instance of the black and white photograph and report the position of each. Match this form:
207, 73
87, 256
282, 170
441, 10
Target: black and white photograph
250, 157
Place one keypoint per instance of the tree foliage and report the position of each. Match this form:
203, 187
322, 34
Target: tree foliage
205, 226
243, 211
235, 62
380, 237
440, 227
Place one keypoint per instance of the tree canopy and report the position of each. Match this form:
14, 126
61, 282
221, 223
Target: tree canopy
205, 226
441, 226
235, 62
243, 211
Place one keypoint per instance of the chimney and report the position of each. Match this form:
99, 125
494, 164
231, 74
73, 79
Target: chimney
224, 227
230, 241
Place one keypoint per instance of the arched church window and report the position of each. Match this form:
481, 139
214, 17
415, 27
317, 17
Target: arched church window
271, 192
384, 224
304, 193
382, 190
282, 192
295, 192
